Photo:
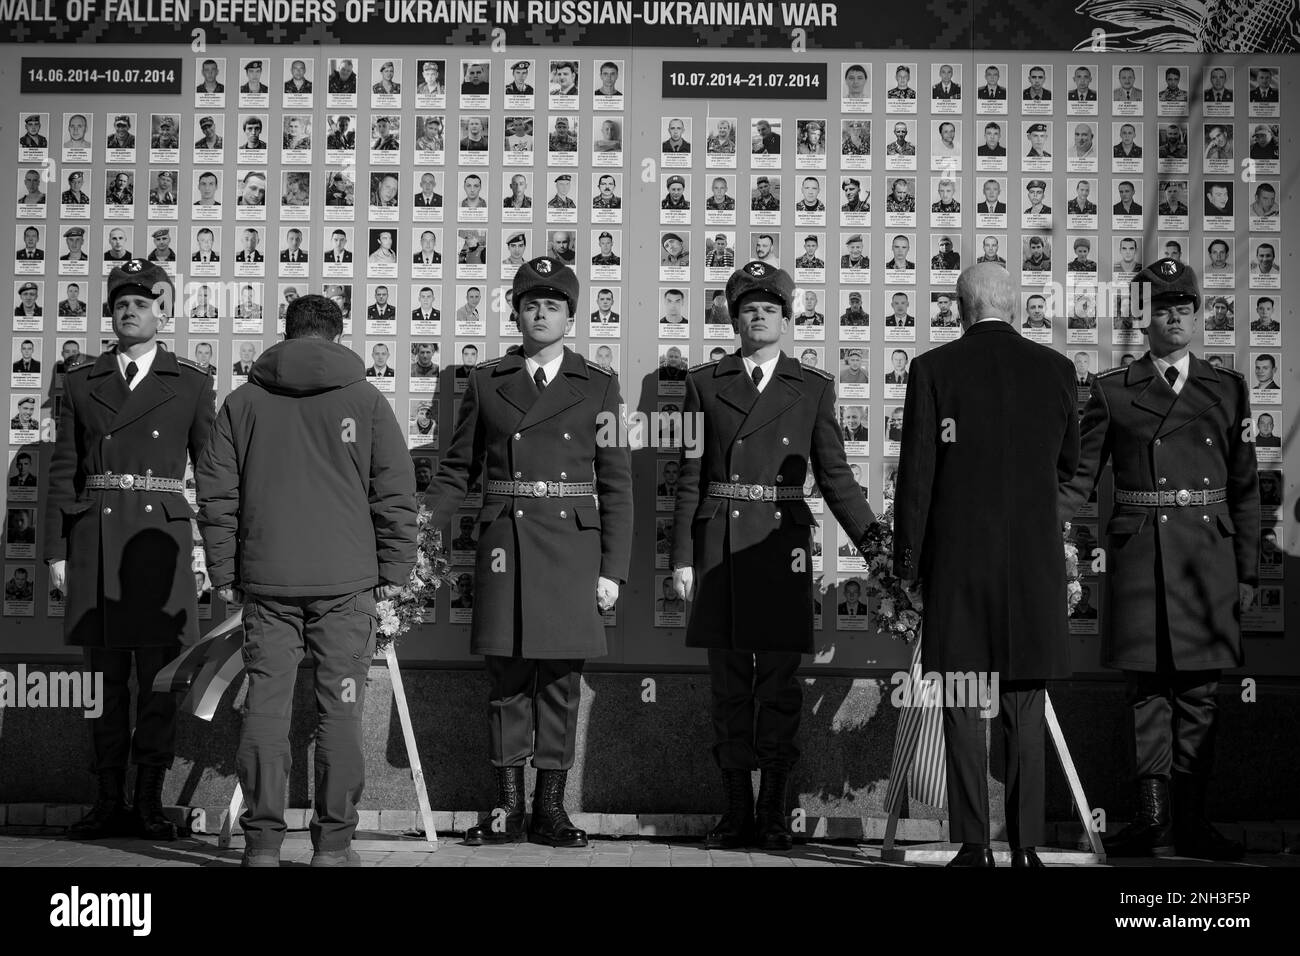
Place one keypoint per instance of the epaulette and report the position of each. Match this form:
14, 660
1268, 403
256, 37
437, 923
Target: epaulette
1112, 371
599, 368
1227, 371
696, 368
187, 363
822, 372
79, 367
488, 363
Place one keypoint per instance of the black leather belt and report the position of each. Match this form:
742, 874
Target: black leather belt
1169, 499
743, 492
541, 489
146, 482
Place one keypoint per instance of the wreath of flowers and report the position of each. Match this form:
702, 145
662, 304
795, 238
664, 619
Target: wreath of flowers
898, 611
432, 570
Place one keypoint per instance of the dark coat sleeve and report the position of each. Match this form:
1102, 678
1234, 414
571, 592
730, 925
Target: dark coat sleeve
460, 467
614, 493
1094, 452
916, 468
1243, 492
62, 493
688, 481
392, 496
1067, 462
216, 472
842, 494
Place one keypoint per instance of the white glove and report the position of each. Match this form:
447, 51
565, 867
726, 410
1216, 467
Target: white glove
232, 595
606, 594
684, 582
59, 574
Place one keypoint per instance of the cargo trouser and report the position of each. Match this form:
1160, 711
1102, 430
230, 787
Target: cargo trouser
339, 633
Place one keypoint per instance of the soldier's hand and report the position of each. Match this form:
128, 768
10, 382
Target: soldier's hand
684, 582
58, 574
1245, 595
386, 592
606, 593
231, 595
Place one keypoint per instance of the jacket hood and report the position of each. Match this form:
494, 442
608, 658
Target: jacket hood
307, 366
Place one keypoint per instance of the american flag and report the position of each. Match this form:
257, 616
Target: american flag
918, 745
204, 670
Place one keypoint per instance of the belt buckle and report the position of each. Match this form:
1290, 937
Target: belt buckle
539, 489
1183, 497
755, 492
126, 482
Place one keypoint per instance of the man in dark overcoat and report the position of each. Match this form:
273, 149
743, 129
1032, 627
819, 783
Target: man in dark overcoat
1182, 549
540, 428
978, 519
741, 528
118, 531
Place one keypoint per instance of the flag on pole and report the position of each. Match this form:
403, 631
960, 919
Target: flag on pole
204, 670
918, 744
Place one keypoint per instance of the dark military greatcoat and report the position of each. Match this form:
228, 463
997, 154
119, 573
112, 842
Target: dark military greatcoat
1192, 556
539, 558
129, 582
752, 559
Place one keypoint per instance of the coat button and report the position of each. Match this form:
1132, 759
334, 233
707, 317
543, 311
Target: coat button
1162, 481
735, 514
519, 513
148, 508
776, 515
1164, 518
740, 441
1157, 442
519, 474
1207, 482
564, 475
566, 436
1205, 518
564, 514
1209, 441
108, 511
784, 440
108, 438
155, 433
518, 436
735, 477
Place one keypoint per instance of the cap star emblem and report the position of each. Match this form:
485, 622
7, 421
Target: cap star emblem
135, 265
1169, 268
543, 266
757, 269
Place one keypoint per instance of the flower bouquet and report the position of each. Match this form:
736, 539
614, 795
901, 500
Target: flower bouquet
432, 570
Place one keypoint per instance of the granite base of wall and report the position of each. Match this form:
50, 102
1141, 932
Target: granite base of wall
645, 750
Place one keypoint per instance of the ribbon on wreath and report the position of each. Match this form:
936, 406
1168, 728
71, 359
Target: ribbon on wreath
919, 754
204, 670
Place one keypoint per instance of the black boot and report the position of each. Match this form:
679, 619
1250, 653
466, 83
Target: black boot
1150, 833
509, 811
977, 856
550, 824
150, 821
1194, 835
770, 820
109, 816
736, 828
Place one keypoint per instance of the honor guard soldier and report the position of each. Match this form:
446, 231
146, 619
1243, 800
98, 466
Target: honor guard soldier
1182, 550
551, 557
118, 532
742, 529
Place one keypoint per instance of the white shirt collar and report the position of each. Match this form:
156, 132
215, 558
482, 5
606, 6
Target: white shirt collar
992, 318
767, 368
551, 368
142, 365
1183, 364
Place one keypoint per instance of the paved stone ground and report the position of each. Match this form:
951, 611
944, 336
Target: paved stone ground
49, 850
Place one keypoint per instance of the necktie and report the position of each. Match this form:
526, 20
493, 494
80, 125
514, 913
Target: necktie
1128, 96
540, 378
757, 375
1171, 375
131, 369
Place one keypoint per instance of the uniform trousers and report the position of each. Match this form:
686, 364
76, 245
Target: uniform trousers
1020, 713
154, 741
339, 634
533, 711
757, 703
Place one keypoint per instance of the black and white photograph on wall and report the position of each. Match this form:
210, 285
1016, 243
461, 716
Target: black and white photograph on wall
855, 429
605, 318
1268, 427
901, 97
674, 258
720, 206
853, 376
674, 322
25, 356
1265, 387
900, 202
1265, 329
810, 151
854, 318
1036, 89
945, 317
1081, 95
518, 244
991, 153
900, 153
119, 194
676, 134
720, 142
19, 590
809, 317
991, 93
900, 322
810, 267
1036, 200
765, 200
1265, 212
765, 143
426, 311
422, 424
765, 247
673, 359
1036, 142
1265, 267
855, 144
1265, 87
607, 197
